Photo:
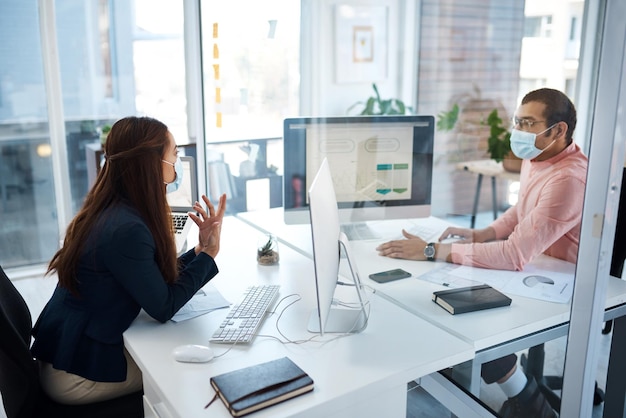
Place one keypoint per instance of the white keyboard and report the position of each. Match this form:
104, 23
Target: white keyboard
245, 317
358, 231
425, 232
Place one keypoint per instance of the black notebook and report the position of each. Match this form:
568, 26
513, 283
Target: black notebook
468, 299
256, 387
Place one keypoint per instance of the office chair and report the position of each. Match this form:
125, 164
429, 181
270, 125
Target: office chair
22, 395
533, 363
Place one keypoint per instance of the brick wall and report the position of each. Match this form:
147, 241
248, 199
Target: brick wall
469, 53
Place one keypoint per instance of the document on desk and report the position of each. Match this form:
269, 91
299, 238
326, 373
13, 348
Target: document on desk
534, 282
204, 301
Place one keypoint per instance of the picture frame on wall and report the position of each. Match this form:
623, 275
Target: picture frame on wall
361, 44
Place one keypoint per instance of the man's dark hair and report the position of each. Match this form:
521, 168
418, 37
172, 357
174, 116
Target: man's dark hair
559, 108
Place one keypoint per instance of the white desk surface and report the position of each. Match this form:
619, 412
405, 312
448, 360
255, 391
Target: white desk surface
298, 237
488, 168
358, 373
483, 329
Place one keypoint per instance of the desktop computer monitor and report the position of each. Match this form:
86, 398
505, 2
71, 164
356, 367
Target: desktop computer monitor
381, 165
328, 241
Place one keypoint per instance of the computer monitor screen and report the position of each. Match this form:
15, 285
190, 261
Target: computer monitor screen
186, 195
381, 165
328, 240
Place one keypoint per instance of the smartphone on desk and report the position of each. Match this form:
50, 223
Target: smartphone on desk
389, 275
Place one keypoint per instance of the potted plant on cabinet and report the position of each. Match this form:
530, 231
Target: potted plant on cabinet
499, 143
498, 139
374, 105
104, 132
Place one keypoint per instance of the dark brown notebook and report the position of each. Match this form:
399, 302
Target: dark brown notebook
256, 387
472, 298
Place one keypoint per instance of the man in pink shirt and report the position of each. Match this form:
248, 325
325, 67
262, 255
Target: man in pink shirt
546, 220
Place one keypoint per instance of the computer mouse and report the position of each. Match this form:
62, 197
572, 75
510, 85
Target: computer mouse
192, 353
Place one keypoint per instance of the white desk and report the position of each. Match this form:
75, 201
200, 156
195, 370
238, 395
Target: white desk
493, 333
363, 374
298, 237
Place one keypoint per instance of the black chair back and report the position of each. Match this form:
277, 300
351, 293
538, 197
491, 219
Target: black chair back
19, 372
19, 382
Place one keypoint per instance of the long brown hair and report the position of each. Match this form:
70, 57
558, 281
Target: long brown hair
132, 173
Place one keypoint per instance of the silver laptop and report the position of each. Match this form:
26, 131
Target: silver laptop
181, 202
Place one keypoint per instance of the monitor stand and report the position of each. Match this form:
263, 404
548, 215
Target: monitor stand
339, 321
344, 320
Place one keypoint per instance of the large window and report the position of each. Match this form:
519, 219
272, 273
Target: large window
538, 27
251, 67
251, 79
28, 220
158, 59
116, 58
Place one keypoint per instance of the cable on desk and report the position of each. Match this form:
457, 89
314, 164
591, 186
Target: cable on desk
286, 340
349, 332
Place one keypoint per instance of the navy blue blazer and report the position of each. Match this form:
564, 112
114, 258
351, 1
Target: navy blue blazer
118, 276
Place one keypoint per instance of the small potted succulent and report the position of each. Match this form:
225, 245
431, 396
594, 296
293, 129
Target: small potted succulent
267, 250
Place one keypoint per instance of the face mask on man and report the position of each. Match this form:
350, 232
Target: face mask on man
523, 144
178, 169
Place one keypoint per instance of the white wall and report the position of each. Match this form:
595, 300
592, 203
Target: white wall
321, 94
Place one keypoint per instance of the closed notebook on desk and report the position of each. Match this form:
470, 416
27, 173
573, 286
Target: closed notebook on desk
468, 299
256, 387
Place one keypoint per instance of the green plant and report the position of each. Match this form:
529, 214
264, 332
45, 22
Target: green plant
499, 141
104, 132
377, 106
267, 251
272, 169
447, 119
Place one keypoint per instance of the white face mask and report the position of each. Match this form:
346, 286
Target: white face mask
178, 169
523, 144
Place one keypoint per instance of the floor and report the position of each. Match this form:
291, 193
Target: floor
420, 404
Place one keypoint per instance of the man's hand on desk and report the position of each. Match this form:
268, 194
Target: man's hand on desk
412, 248
468, 235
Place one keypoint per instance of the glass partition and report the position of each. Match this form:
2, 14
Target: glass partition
456, 60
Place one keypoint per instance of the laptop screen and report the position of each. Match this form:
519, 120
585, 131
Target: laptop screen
183, 199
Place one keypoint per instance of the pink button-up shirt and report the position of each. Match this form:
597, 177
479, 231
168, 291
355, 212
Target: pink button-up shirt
545, 220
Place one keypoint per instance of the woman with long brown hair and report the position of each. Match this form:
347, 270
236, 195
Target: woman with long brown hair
118, 257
